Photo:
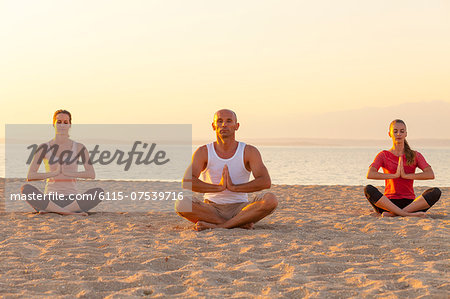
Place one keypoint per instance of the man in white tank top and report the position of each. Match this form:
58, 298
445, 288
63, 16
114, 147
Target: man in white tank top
224, 167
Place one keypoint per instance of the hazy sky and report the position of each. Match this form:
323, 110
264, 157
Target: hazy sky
179, 61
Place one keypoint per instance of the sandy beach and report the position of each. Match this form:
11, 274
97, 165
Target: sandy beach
322, 241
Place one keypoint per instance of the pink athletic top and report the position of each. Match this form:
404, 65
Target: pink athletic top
399, 187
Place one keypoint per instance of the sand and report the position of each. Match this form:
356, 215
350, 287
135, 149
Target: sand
323, 241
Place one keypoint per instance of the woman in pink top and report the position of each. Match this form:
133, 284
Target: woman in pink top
399, 172
61, 162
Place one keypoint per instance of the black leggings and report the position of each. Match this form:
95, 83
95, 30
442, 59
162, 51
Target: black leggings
41, 205
431, 196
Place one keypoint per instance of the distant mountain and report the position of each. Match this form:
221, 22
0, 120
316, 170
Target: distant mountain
424, 120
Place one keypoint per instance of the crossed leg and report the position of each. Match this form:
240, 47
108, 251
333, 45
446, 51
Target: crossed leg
387, 208
38, 205
423, 202
200, 212
206, 217
74, 207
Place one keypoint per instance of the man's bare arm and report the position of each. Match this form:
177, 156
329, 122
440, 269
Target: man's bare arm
262, 178
191, 179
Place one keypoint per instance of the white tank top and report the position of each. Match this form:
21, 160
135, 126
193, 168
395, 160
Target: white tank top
61, 183
238, 173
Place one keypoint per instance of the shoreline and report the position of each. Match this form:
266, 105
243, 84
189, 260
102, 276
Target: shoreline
23, 180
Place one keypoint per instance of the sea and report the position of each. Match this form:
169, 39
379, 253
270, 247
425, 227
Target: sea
300, 165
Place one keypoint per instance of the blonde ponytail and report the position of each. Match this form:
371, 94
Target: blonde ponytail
410, 155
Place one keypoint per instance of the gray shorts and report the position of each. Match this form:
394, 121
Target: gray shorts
228, 211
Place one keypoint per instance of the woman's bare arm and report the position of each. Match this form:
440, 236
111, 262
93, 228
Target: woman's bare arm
426, 174
34, 175
88, 173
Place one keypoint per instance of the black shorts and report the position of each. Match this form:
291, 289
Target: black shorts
431, 195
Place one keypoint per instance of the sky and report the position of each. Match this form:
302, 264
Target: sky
177, 62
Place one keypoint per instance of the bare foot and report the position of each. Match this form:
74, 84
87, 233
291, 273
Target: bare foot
418, 214
415, 214
202, 225
248, 226
387, 214
74, 213
42, 212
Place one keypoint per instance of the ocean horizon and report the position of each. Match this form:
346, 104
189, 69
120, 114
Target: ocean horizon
296, 165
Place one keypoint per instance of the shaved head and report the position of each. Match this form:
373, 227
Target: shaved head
216, 115
225, 124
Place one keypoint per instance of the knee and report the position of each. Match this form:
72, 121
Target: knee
432, 195
270, 201
25, 188
183, 206
369, 189
372, 194
178, 207
99, 191
436, 192
95, 194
